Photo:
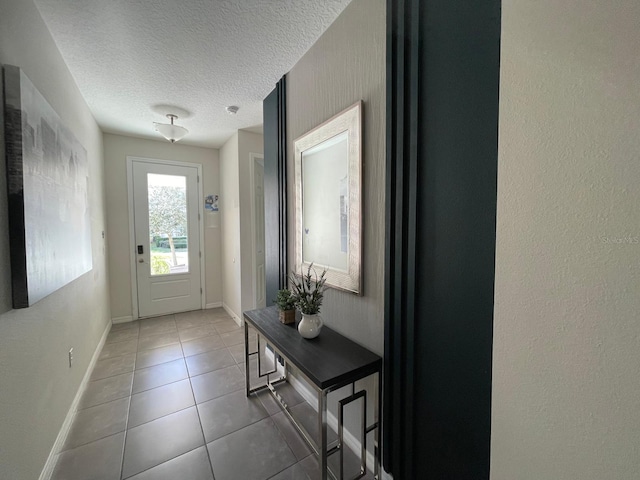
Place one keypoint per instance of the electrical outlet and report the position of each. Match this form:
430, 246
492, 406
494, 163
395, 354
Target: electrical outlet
70, 357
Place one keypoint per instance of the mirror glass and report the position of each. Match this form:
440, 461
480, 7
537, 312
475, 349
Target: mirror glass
325, 204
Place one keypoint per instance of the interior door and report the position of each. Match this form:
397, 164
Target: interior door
258, 185
167, 238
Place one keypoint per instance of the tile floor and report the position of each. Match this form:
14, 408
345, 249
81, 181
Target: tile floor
166, 401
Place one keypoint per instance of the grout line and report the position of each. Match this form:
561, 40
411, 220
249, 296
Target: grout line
284, 469
131, 337
116, 374
118, 355
97, 438
199, 337
158, 346
157, 364
216, 370
126, 429
158, 386
295, 432
284, 440
205, 351
167, 460
161, 416
195, 404
204, 438
81, 408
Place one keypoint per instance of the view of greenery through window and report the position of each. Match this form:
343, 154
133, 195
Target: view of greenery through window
167, 224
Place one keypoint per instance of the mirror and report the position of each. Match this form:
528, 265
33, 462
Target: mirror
327, 169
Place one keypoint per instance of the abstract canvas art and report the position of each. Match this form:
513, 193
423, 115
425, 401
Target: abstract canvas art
47, 182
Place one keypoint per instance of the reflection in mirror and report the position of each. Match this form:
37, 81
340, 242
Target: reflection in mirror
327, 181
325, 204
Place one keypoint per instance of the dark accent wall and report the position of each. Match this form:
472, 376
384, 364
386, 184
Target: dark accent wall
275, 190
442, 152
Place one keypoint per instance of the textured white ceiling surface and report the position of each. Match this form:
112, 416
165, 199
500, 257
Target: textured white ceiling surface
130, 56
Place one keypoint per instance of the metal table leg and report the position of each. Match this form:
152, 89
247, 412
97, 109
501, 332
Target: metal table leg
246, 359
322, 428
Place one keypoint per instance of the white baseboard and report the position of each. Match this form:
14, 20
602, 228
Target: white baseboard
305, 392
126, 319
350, 440
234, 315
50, 464
213, 305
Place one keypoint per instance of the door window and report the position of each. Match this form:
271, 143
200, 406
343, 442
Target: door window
168, 224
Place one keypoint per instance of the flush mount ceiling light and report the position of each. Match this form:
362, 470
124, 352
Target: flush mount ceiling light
171, 132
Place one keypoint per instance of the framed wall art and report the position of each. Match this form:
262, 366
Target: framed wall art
47, 183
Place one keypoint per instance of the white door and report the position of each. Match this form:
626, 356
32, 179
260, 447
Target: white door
167, 238
258, 205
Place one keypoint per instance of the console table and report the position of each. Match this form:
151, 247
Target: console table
328, 362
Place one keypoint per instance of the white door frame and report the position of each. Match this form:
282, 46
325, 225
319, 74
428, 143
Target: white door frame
132, 239
254, 157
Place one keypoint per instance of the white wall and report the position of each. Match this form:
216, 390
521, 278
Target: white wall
37, 386
230, 211
345, 65
248, 143
566, 387
116, 150
236, 205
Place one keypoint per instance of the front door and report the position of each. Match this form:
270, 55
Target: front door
167, 238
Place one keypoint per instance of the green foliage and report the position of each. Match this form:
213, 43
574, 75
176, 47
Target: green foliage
167, 244
163, 242
285, 300
159, 265
308, 291
155, 249
167, 214
167, 211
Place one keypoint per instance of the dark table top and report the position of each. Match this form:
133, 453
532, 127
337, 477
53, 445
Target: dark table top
327, 360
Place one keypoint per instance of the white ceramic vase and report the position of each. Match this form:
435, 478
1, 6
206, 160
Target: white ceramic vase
310, 325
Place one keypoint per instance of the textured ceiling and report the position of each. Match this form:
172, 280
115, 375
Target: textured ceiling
130, 56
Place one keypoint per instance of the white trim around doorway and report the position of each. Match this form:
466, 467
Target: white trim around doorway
259, 158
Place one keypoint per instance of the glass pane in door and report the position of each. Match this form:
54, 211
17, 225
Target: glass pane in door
168, 240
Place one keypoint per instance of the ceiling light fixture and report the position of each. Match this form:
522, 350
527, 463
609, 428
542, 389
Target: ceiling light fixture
171, 132
232, 109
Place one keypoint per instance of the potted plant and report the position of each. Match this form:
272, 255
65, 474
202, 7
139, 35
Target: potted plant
308, 291
286, 303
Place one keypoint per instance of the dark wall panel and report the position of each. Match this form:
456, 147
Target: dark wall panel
275, 192
443, 78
